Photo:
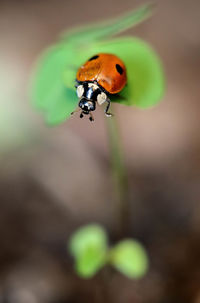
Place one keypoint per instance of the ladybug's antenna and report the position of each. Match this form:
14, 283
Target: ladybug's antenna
76, 110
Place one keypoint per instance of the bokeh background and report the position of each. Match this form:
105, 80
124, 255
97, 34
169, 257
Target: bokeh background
53, 180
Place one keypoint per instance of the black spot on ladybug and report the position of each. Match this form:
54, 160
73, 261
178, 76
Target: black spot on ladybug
119, 69
94, 57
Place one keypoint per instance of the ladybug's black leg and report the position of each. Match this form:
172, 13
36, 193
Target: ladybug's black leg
81, 115
107, 108
91, 118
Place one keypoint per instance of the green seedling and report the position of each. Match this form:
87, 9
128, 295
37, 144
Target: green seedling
91, 252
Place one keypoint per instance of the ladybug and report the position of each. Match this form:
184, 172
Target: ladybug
100, 77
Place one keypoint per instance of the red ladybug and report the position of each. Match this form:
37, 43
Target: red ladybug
101, 76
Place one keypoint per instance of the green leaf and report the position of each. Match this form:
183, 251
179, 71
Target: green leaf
88, 245
145, 84
62, 107
130, 258
49, 93
92, 235
112, 27
89, 262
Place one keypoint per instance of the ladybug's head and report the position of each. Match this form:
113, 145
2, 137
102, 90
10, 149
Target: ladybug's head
87, 106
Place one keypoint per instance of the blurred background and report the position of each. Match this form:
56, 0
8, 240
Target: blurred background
45, 172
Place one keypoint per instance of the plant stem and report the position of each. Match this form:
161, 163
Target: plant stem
119, 175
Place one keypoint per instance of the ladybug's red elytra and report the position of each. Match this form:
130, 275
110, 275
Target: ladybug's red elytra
101, 76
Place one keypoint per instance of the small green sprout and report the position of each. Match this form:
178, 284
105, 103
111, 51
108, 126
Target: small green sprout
54, 77
130, 258
89, 247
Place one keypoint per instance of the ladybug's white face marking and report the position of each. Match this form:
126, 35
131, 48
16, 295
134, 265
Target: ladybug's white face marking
101, 98
80, 91
94, 86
